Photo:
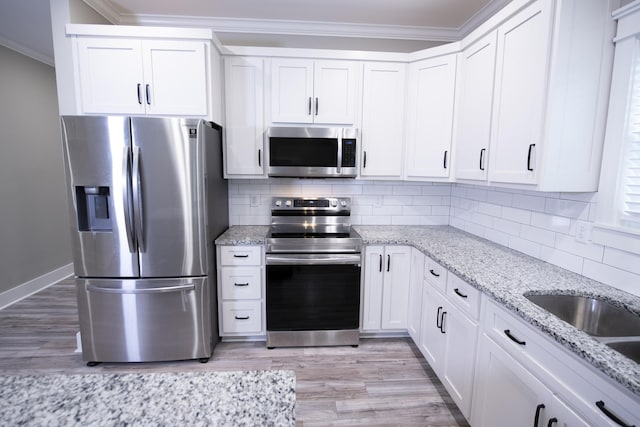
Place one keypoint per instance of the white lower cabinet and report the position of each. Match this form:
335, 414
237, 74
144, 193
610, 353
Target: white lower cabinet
240, 291
448, 340
522, 376
414, 312
386, 288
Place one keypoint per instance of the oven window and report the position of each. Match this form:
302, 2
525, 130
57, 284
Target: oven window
313, 297
321, 152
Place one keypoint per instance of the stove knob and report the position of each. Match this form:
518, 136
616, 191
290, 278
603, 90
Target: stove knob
343, 203
288, 203
278, 203
334, 203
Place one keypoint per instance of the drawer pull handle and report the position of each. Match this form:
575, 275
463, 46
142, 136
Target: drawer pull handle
380, 266
434, 273
438, 325
461, 295
388, 262
242, 317
552, 421
241, 284
444, 313
507, 332
240, 256
537, 417
611, 415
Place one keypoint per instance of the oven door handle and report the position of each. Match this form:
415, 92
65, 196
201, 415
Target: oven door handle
313, 259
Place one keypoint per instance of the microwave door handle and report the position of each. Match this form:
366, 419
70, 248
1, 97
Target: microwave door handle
339, 166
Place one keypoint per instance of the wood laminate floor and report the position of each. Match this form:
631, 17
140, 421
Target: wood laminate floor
383, 382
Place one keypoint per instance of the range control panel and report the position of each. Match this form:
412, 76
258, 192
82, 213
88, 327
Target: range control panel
316, 204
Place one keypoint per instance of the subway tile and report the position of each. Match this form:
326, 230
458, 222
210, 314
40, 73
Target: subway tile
500, 198
568, 208
490, 209
612, 276
376, 220
538, 235
586, 250
406, 220
506, 226
518, 215
477, 229
562, 259
497, 236
346, 189
239, 200
457, 191
427, 200
482, 219
440, 210
525, 246
290, 189
361, 210
457, 223
556, 223
377, 189
623, 260
435, 220
254, 189
436, 190
477, 194
313, 189
397, 200
387, 210
532, 203
416, 210
407, 190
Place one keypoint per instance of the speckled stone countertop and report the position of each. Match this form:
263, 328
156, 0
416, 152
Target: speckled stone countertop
505, 275
250, 398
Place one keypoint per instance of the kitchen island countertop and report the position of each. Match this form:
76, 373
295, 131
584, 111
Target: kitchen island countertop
505, 275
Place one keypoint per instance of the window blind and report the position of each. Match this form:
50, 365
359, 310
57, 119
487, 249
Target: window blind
630, 171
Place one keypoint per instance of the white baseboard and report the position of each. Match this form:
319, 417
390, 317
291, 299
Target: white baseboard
22, 291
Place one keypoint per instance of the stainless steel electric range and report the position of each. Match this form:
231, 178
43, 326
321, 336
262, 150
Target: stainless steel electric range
314, 260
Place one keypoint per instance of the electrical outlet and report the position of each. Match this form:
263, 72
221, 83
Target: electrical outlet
255, 201
583, 232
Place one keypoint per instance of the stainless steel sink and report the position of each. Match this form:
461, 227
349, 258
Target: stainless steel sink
612, 325
630, 348
596, 317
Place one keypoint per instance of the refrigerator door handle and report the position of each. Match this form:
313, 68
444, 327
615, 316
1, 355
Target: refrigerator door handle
137, 198
164, 289
126, 202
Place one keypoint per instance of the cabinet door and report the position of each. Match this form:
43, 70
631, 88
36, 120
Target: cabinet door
395, 291
431, 117
506, 394
334, 92
432, 338
414, 313
460, 355
372, 288
244, 116
175, 74
473, 111
291, 91
110, 76
521, 68
382, 132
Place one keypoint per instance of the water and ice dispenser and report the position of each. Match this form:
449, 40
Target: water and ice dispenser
93, 208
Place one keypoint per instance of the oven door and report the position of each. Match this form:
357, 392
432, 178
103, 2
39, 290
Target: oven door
313, 299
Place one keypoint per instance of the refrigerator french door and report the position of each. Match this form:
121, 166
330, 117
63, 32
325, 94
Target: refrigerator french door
147, 200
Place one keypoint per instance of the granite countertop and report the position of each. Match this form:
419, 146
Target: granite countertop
505, 275
247, 398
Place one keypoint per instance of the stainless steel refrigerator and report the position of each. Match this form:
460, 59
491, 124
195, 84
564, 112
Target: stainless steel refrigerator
147, 199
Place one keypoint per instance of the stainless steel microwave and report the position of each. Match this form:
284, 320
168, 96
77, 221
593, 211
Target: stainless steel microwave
305, 152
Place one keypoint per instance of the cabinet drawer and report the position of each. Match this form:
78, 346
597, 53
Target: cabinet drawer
240, 255
241, 317
241, 282
463, 295
436, 275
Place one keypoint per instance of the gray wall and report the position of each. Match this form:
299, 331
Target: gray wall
34, 231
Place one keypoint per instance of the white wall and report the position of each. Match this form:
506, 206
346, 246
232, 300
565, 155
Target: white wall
543, 225
374, 202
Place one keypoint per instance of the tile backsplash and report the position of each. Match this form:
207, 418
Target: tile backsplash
554, 227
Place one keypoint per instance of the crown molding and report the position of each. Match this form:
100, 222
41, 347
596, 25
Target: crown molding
15, 46
291, 27
303, 28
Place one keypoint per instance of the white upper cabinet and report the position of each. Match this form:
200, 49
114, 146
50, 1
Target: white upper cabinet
430, 117
382, 133
521, 65
546, 99
134, 76
473, 113
308, 91
244, 143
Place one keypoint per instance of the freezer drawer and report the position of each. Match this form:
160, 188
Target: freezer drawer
144, 320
